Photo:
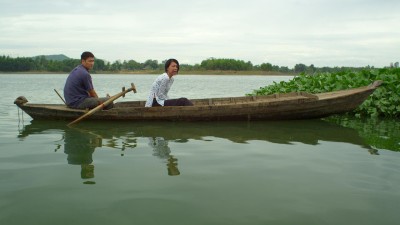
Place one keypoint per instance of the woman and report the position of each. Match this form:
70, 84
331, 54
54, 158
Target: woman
160, 87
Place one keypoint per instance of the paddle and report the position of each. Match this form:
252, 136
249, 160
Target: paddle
104, 104
60, 96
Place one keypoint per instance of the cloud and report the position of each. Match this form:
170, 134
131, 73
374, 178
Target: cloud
319, 32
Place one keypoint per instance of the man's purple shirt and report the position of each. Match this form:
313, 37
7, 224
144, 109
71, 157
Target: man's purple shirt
77, 86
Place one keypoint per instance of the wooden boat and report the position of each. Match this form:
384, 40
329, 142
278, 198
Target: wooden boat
298, 105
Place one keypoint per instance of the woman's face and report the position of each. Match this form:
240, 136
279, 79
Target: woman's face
172, 69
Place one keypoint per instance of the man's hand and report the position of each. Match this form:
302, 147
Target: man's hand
92, 93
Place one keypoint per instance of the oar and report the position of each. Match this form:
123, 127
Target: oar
104, 104
60, 96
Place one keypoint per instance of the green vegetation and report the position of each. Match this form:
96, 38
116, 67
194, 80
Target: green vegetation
63, 64
384, 102
226, 64
377, 133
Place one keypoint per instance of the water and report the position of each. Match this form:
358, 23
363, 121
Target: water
287, 172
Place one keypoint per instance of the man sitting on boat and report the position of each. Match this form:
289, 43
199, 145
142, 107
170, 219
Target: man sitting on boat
79, 92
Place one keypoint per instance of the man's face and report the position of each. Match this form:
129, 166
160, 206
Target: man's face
88, 63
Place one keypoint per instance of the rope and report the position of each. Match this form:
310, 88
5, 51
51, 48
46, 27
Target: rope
20, 118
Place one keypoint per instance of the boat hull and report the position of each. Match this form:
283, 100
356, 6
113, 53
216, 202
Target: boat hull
272, 107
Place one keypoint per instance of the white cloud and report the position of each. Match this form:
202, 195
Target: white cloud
319, 32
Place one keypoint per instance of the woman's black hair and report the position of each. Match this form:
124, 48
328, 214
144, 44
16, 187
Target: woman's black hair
169, 61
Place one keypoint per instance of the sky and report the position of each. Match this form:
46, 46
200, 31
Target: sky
330, 33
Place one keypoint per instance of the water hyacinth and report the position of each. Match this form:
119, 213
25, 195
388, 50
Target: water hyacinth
384, 102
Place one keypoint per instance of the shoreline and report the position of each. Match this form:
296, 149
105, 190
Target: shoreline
183, 72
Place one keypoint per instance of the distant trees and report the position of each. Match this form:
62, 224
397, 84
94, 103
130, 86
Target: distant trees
8, 64
266, 67
39, 64
132, 65
300, 68
150, 65
42, 63
226, 64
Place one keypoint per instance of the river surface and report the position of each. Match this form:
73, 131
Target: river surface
338, 171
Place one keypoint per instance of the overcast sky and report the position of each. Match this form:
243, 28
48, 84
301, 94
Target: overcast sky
281, 32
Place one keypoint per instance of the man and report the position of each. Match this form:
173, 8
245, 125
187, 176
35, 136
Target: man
79, 92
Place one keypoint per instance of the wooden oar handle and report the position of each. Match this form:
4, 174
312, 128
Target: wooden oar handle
104, 104
60, 96
133, 88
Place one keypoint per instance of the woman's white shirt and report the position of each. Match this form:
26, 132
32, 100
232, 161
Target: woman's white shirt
159, 89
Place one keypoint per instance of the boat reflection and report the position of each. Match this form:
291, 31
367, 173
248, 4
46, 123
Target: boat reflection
81, 140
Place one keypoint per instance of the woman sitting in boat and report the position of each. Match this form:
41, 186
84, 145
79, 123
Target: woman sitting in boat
159, 90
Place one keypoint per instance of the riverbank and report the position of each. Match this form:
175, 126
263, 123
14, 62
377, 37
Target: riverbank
182, 72
205, 72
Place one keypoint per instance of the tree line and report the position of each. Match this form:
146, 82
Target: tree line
41, 64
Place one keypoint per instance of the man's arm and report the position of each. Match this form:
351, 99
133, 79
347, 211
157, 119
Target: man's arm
92, 93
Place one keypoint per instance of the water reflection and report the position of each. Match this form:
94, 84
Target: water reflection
381, 133
81, 141
79, 147
161, 150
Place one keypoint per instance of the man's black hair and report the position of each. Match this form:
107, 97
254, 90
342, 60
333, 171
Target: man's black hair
86, 55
